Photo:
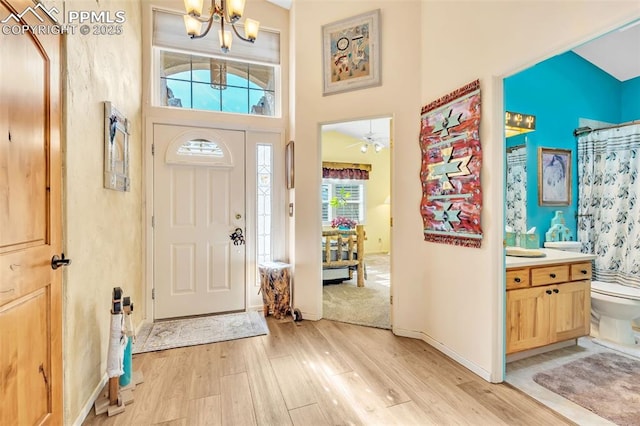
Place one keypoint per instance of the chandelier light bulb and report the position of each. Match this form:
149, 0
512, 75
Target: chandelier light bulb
364, 148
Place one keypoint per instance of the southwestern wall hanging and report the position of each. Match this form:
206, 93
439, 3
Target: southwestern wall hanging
450, 173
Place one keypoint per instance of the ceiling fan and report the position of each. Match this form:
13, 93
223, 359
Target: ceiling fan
370, 139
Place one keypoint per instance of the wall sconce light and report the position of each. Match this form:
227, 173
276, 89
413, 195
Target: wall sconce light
516, 123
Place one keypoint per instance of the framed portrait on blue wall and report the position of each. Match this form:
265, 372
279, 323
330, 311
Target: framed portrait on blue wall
554, 177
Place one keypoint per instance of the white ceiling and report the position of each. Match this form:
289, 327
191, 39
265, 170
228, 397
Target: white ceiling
378, 129
617, 52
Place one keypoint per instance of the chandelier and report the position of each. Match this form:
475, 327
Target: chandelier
225, 12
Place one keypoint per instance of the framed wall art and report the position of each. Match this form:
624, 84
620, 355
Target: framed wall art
116, 149
554, 177
289, 160
351, 53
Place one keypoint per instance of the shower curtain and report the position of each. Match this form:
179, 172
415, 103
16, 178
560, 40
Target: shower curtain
516, 196
608, 205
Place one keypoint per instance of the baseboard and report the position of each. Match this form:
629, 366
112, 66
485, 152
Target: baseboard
476, 369
89, 404
531, 352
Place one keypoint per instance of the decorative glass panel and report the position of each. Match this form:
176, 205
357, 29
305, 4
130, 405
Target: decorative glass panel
264, 185
200, 147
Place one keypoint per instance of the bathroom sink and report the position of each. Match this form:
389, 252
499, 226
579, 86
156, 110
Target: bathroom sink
564, 245
520, 252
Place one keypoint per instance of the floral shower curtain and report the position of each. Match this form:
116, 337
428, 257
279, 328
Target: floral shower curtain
608, 205
516, 214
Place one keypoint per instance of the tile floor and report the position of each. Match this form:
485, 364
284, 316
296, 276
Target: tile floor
520, 375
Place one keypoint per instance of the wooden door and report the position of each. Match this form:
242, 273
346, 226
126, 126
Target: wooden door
30, 224
199, 201
527, 318
570, 310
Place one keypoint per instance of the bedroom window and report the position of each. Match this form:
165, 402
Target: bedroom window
348, 200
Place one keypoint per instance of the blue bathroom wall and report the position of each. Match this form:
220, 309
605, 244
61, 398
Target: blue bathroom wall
630, 100
559, 91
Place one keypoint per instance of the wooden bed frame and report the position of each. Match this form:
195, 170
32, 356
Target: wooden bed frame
344, 249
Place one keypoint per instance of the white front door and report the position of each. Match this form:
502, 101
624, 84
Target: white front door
199, 201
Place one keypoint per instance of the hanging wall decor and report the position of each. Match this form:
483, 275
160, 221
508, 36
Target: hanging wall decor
116, 149
450, 173
351, 53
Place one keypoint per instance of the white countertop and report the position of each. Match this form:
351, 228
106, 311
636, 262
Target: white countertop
552, 257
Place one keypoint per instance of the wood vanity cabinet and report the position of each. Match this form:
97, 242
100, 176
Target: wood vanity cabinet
547, 304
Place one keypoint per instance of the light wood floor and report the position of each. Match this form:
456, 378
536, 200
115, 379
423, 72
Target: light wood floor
319, 373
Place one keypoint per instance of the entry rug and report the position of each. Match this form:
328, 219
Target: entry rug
606, 383
198, 331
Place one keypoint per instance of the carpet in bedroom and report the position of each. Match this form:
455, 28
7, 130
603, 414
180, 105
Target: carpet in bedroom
368, 305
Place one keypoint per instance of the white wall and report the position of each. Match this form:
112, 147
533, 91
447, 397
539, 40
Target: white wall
449, 296
398, 96
102, 228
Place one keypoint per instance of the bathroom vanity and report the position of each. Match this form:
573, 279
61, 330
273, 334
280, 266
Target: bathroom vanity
548, 298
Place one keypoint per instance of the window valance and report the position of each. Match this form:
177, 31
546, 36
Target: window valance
351, 171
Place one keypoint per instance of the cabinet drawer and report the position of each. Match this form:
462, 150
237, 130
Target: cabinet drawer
581, 271
517, 278
549, 275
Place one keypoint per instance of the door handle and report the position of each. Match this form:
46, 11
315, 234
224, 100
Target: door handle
57, 262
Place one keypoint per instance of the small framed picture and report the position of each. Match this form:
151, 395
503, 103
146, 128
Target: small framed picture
554, 177
351, 53
116, 149
289, 160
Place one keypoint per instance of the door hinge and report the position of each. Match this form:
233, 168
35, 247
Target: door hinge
390, 221
153, 149
153, 294
153, 221
391, 300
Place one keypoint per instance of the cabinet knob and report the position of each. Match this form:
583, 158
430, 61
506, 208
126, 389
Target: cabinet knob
548, 291
552, 275
555, 290
584, 271
516, 279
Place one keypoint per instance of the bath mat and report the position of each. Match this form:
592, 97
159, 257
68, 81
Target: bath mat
606, 383
198, 331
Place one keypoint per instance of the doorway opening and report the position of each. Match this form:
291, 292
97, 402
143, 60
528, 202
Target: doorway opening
593, 81
356, 221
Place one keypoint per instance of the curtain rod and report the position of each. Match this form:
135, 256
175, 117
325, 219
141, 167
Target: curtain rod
582, 130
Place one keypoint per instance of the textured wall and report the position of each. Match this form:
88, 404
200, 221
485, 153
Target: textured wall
103, 228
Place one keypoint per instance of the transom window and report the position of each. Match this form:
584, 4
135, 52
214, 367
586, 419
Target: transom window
214, 84
200, 147
342, 198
